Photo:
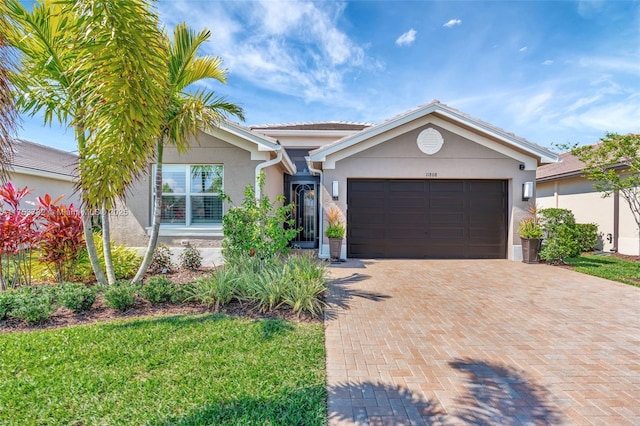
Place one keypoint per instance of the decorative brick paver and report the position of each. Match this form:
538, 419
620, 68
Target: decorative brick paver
447, 342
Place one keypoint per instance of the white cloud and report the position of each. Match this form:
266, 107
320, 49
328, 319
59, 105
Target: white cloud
530, 108
523, 49
407, 38
590, 8
290, 47
621, 63
547, 62
583, 102
621, 117
452, 22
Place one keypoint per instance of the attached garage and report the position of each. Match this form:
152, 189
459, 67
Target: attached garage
432, 183
422, 218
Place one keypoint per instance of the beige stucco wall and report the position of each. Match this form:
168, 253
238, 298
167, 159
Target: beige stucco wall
239, 171
44, 185
588, 206
459, 158
274, 183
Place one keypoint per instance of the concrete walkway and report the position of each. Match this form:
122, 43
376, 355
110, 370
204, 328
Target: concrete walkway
480, 342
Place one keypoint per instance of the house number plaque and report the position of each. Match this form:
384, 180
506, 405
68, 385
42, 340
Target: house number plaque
431, 174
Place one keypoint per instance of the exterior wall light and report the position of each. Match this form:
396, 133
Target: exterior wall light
334, 190
527, 191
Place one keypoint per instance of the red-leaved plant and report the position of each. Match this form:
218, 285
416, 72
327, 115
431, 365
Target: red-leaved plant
60, 237
18, 234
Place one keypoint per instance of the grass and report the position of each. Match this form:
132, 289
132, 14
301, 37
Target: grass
607, 267
177, 370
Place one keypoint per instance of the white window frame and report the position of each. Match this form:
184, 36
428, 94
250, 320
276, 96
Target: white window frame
211, 227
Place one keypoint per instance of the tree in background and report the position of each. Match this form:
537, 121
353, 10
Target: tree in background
613, 165
98, 66
8, 115
186, 112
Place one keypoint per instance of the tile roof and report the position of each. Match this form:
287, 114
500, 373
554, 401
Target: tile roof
41, 158
435, 106
325, 125
569, 166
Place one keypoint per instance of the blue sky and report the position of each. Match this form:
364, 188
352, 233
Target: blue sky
548, 71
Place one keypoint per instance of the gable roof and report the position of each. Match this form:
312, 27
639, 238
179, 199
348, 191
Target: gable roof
244, 136
35, 159
437, 109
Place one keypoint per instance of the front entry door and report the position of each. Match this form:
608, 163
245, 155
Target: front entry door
303, 196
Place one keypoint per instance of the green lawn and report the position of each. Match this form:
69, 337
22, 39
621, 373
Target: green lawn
178, 370
608, 267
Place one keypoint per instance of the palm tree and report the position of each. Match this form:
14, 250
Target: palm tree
186, 112
8, 116
96, 65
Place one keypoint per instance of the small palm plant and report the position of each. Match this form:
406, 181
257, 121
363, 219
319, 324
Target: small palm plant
335, 228
530, 227
531, 234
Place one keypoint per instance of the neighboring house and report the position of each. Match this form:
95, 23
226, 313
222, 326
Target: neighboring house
562, 186
432, 182
44, 170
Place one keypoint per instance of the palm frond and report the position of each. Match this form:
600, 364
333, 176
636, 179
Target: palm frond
8, 114
122, 77
185, 67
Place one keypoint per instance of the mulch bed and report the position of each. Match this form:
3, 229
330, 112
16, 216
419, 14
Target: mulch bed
100, 313
625, 257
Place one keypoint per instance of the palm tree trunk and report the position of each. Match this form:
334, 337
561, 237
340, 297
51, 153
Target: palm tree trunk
157, 214
106, 246
91, 249
87, 226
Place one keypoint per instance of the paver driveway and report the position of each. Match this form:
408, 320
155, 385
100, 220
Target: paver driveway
480, 342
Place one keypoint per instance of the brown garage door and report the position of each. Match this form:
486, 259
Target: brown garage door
446, 219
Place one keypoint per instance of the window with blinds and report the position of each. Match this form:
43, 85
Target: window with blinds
191, 194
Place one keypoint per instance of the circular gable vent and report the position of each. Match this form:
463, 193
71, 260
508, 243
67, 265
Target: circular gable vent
430, 141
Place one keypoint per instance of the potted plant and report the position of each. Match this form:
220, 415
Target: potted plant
335, 232
531, 237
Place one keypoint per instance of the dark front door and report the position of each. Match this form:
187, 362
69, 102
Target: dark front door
402, 218
305, 213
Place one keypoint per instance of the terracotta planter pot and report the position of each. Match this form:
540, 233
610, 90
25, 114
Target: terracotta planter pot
530, 249
335, 247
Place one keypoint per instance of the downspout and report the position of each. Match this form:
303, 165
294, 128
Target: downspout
321, 219
261, 166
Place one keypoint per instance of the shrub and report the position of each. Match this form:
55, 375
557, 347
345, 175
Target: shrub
191, 259
158, 289
258, 228
586, 236
560, 235
125, 261
6, 303
34, 305
61, 237
182, 294
267, 287
306, 283
75, 296
161, 261
19, 235
121, 295
218, 289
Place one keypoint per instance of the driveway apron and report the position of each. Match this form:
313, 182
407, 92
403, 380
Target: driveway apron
480, 342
